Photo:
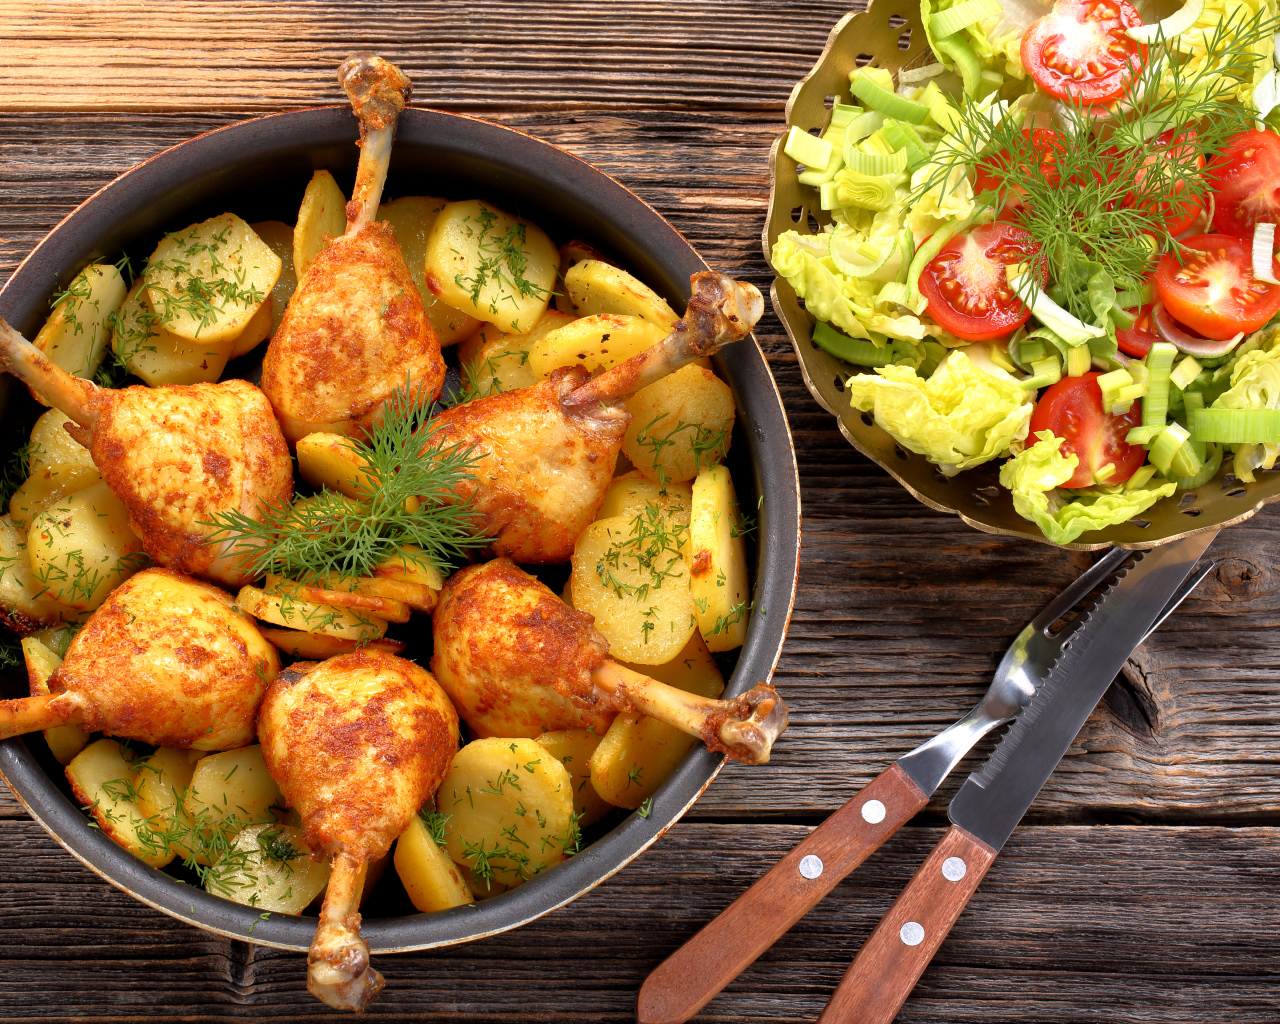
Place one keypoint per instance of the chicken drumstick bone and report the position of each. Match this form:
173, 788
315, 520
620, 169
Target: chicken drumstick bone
547, 452
355, 329
175, 456
518, 661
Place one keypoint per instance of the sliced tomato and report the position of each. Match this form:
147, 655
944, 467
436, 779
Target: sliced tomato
1072, 409
1177, 216
1137, 340
967, 286
1213, 291
1079, 50
1246, 183
1043, 148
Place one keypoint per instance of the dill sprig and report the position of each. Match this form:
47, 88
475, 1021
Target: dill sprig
1102, 209
410, 503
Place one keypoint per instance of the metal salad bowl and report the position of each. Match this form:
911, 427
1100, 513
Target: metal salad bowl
890, 34
259, 169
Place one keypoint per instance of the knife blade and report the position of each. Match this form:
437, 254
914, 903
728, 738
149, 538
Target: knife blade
993, 799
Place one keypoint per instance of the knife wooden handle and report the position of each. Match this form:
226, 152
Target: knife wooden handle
891, 961
687, 980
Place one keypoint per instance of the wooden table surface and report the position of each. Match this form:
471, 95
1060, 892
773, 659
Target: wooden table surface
1142, 886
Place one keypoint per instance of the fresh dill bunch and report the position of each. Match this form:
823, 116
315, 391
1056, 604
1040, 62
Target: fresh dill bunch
1097, 198
411, 503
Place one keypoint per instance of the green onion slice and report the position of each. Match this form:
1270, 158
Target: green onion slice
1236, 426
888, 103
851, 350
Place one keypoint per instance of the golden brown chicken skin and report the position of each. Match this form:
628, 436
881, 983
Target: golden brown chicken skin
354, 331
494, 616
543, 470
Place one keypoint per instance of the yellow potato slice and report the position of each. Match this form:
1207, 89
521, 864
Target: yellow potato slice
158, 356
82, 547
26, 604
411, 218
630, 574
637, 754
284, 609
318, 647
633, 493
573, 749
257, 330
343, 597
412, 567
207, 281
75, 335
595, 287
322, 217
511, 810
66, 740
59, 465
718, 561
333, 461
104, 780
596, 342
269, 867
279, 238
228, 792
491, 265
494, 361
163, 781
679, 425
573, 252
431, 879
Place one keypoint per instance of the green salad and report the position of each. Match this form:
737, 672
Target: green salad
1053, 245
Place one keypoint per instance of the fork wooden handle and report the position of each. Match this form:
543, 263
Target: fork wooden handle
891, 961
687, 980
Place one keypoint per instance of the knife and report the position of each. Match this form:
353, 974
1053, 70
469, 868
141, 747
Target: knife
688, 979
993, 800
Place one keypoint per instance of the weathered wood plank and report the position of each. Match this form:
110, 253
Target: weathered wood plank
233, 55
1072, 924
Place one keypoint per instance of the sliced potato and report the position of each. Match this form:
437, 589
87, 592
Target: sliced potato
633, 493
159, 356
638, 753
412, 569
511, 807
417, 596
318, 647
494, 361
269, 868
26, 604
207, 281
104, 779
65, 741
573, 749
229, 792
333, 461
279, 237
491, 265
629, 572
679, 425
75, 335
431, 879
58, 465
411, 218
344, 597
284, 609
163, 781
257, 330
596, 287
322, 217
718, 561
596, 342
82, 548
572, 252
485, 888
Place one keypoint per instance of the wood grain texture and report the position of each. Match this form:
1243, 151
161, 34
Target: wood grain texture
1116, 925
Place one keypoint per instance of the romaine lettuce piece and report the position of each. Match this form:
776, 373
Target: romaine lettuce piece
959, 417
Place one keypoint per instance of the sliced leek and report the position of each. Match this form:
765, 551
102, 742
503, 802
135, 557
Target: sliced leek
966, 62
851, 350
1159, 363
846, 251
1264, 253
1237, 426
1184, 373
807, 149
865, 191
887, 102
1212, 463
1078, 361
873, 163
1174, 25
962, 15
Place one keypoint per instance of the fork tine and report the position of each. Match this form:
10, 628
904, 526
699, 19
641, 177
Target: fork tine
1084, 583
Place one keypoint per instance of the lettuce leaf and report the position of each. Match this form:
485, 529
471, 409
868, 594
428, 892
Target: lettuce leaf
1255, 384
1034, 475
959, 417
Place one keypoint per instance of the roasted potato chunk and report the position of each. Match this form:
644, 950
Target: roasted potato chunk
431, 879
318, 647
333, 461
65, 741
229, 792
75, 335
596, 287
718, 561
279, 238
596, 342
491, 265
285, 609
633, 493
573, 749
26, 604
679, 425
257, 330
269, 867
158, 356
104, 779
493, 361
322, 217
59, 465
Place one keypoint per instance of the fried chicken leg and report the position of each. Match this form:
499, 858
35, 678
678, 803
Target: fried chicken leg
176, 455
547, 452
357, 744
518, 661
355, 329
166, 660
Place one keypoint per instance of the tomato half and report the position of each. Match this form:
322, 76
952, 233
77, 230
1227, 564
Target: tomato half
1137, 340
1043, 147
1079, 50
967, 287
1246, 183
1177, 216
1072, 409
1213, 291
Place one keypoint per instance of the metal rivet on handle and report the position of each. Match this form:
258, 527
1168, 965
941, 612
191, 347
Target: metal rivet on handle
811, 866
911, 933
953, 869
873, 811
